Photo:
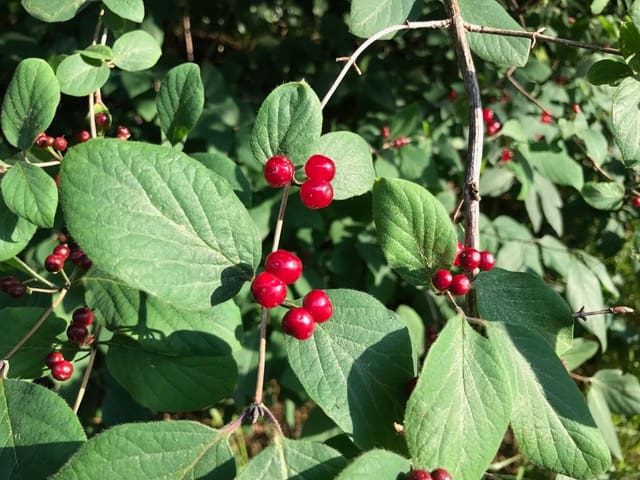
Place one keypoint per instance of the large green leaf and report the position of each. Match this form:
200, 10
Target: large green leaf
501, 50
368, 17
376, 463
30, 102
177, 450
30, 193
180, 101
229, 170
355, 367
38, 431
54, 10
79, 75
285, 459
608, 71
135, 51
625, 116
413, 228
354, 166
129, 9
159, 221
557, 166
289, 123
15, 232
460, 409
604, 195
621, 391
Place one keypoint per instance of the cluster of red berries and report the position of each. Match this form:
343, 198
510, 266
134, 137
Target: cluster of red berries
493, 125
78, 329
469, 259
61, 369
46, 141
269, 288
55, 262
13, 287
316, 191
398, 142
437, 474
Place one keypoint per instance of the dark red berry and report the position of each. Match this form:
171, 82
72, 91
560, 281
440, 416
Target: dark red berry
54, 263
44, 140
75, 255
123, 133
62, 370
17, 290
62, 250
7, 282
53, 358
432, 334
440, 474
410, 386
102, 120
507, 155
442, 279
546, 117
319, 167
316, 193
298, 323
284, 265
268, 290
385, 132
576, 108
278, 171
401, 142
56, 178
487, 115
319, 305
636, 201
77, 333
456, 259
452, 96
82, 316
487, 260
460, 285
470, 259
84, 262
60, 144
418, 475
493, 127
562, 79
82, 136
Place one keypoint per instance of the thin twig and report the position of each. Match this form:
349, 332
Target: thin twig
35, 274
188, 39
523, 91
580, 378
87, 372
581, 314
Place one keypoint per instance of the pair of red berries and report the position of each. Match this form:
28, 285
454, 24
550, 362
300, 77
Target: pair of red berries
437, 474
13, 287
78, 329
61, 369
55, 262
493, 125
315, 192
44, 141
469, 259
299, 322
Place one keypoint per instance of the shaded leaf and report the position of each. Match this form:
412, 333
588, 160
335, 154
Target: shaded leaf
15, 232
608, 71
620, 390
604, 195
129, 9
376, 464
602, 416
625, 116
30, 193
54, 10
582, 349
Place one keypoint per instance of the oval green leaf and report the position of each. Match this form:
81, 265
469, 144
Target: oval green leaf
153, 451
582, 349
54, 10
128, 9
413, 228
180, 101
135, 51
625, 116
376, 463
15, 232
604, 195
557, 166
368, 17
159, 221
621, 390
30, 193
355, 367
289, 123
102, 53
608, 71
30, 102
80, 76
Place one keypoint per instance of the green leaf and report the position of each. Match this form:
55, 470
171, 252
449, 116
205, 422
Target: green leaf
135, 51
602, 416
54, 10
167, 224
495, 181
354, 166
153, 451
604, 195
555, 255
416, 327
285, 459
621, 391
608, 71
413, 228
129, 9
15, 232
80, 76
551, 202
376, 463
595, 143
38, 431
522, 299
289, 123
600, 271
169, 382
634, 11
101, 53
368, 17
355, 367
30, 102
557, 166
630, 44
28, 361
30, 193
501, 50
180, 101
459, 411
582, 349
598, 5
626, 120
230, 171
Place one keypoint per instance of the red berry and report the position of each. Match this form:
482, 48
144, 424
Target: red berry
410, 386
636, 201
82, 316
298, 323
53, 358
84, 262
440, 474
401, 142
385, 132
319, 305
418, 475
460, 285
7, 282
507, 155
562, 79
54, 263
470, 259
456, 259
546, 117
278, 171
75, 255
487, 260
442, 279
453, 95
77, 333
268, 290
316, 193
17, 290
123, 133
102, 119
487, 115
62, 371
320, 167
82, 136
44, 140
284, 265
432, 334
62, 251
60, 144
493, 127
576, 108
